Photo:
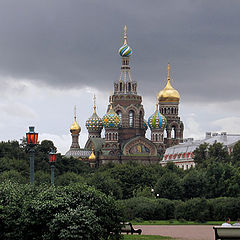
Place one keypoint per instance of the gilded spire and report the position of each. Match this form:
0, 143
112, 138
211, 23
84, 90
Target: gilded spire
75, 128
94, 103
168, 94
111, 101
157, 102
125, 35
168, 77
75, 115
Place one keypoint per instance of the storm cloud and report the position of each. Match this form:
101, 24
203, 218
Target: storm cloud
55, 54
74, 44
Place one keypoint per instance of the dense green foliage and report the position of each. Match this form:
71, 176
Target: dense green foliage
195, 209
72, 212
211, 191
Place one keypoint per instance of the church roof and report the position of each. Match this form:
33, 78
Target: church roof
78, 153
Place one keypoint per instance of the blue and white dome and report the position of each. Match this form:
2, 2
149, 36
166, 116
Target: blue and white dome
157, 120
125, 51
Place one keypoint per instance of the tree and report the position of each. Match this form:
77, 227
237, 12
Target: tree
194, 184
218, 152
200, 155
103, 182
235, 156
68, 178
169, 186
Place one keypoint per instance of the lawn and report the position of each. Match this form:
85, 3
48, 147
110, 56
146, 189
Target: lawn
174, 222
145, 237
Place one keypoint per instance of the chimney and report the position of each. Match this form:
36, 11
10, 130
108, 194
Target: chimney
208, 135
224, 136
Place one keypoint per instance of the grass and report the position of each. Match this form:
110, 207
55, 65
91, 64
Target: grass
146, 237
174, 222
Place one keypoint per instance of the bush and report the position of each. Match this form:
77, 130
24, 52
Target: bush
70, 212
225, 207
196, 209
147, 208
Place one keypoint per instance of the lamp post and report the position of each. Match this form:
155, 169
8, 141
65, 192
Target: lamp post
31, 141
52, 161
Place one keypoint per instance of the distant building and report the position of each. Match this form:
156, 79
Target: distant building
182, 154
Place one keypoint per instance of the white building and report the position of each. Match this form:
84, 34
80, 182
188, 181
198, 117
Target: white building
182, 154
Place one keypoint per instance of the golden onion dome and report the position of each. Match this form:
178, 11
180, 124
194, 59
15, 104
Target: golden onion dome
168, 94
92, 156
75, 128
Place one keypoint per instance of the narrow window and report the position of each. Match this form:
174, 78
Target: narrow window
131, 118
119, 113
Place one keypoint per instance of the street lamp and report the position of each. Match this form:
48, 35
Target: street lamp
52, 161
31, 141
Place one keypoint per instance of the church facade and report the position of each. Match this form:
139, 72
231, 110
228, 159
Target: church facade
125, 125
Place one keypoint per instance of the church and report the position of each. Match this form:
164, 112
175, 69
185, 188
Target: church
125, 125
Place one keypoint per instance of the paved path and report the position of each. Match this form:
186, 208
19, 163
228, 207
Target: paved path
183, 232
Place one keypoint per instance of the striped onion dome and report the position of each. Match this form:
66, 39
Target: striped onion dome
125, 51
157, 120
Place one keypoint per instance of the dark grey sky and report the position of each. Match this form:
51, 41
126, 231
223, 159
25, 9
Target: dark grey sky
57, 53
74, 43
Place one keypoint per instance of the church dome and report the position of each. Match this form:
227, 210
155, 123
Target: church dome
168, 94
125, 50
94, 123
111, 119
157, 120
92, 157
75, 128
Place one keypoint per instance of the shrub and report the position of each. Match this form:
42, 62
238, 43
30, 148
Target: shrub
147, 208
225, 207
71, 212
196, 209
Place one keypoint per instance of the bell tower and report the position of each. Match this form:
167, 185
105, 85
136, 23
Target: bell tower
125, 100
168, 99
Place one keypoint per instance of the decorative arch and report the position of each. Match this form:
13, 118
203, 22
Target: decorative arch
138, 146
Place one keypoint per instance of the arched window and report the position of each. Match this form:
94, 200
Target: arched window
131, 118
165, 133
119, 113
110, 136
173, 132
140, 119
120, 86
129, 87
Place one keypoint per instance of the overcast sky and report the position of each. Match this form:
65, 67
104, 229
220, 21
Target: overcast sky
57, 54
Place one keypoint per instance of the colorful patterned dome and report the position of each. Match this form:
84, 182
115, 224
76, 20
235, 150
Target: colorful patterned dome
125, 51
157, 120
94, 123
145, 124
111, 119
